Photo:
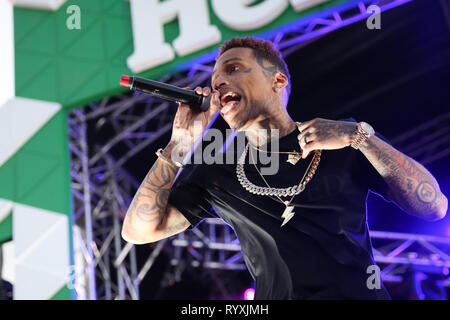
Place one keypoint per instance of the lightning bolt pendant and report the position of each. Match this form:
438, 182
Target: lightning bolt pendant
288, 213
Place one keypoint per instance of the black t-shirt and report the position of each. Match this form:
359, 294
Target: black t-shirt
323, 252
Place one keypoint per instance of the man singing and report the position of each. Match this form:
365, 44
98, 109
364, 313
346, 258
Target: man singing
303, 231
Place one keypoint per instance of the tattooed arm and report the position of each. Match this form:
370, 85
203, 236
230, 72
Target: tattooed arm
149, 218
411, 186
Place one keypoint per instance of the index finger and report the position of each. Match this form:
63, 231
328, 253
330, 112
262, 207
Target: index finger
215, 100
303, 125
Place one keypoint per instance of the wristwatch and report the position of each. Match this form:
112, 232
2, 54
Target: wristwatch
363, 132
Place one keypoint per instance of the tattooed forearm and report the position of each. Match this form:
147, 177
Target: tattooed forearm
176, 226
426, 192
413, 187
148, 208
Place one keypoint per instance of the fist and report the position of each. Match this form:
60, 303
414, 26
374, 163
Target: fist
189, 124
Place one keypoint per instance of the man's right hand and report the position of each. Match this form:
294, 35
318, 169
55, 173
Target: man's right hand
188, 124
150, 218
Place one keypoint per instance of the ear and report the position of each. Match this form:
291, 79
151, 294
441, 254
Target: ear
279, 82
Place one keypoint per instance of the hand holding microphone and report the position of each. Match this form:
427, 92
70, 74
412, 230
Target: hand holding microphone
167, 92
189, 124
196, 107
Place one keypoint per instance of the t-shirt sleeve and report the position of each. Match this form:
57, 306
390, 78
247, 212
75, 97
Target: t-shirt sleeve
189, 195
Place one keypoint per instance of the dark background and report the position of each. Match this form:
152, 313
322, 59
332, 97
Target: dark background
396, 79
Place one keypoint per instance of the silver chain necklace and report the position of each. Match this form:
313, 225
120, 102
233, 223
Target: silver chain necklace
268, 191
288, 212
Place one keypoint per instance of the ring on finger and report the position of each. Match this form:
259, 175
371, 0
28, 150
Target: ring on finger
303, 141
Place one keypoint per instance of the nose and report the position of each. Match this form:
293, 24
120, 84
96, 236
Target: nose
220, 81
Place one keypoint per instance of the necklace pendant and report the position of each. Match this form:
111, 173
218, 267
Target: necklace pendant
293, 158
288, 213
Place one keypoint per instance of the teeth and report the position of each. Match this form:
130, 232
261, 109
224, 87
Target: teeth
228, 94
229, 106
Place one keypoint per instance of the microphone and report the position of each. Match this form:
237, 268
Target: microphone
167, 92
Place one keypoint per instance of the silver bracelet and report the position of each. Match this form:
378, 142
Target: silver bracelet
363, 132
171, 162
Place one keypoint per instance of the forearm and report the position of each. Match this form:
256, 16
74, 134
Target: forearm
413, 188
147, 212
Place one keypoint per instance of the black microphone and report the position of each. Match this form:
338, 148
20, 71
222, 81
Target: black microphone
167, 92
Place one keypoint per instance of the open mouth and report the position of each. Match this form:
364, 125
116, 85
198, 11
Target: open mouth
230, 101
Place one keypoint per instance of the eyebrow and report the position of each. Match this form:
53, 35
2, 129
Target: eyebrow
226, 61
231, 59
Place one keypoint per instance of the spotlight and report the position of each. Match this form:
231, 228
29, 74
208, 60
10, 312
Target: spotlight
249, 294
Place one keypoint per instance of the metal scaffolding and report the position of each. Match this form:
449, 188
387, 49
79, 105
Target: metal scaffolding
105, 272
428, 142
102, 189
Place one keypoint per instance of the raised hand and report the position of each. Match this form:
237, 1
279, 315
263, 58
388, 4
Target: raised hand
189, 124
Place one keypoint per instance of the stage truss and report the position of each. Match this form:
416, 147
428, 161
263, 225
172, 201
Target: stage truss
102, 189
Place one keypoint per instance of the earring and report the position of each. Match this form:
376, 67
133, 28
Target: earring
277, 90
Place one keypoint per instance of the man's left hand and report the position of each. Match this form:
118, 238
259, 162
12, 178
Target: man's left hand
323, 134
